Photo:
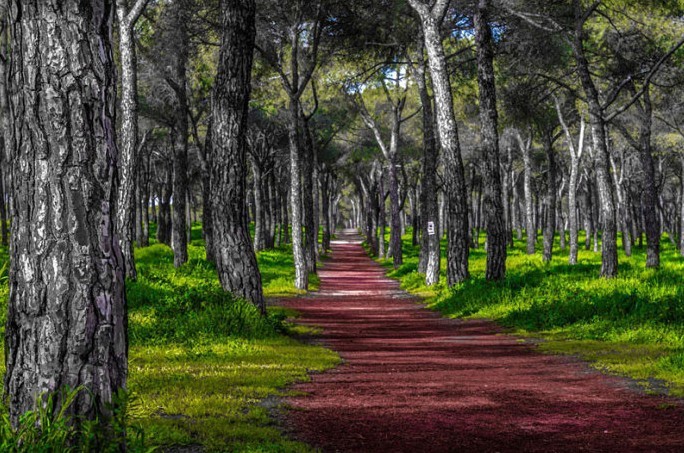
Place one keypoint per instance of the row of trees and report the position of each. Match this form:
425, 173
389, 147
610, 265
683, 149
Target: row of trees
452, 117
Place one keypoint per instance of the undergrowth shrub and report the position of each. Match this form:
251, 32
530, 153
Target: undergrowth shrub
49, 428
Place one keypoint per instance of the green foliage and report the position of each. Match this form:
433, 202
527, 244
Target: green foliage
632, 325
50, 428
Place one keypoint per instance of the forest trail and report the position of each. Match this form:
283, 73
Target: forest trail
415, 382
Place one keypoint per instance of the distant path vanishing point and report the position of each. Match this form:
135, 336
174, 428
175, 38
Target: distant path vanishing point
412, 381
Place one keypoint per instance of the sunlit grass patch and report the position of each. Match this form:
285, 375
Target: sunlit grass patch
632, 325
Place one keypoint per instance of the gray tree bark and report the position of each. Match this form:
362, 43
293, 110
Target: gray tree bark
430, 254
493, 201
66, 324
457, 202
235, 258
126, 19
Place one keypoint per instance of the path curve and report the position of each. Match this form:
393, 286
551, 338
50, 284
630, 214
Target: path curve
415, 382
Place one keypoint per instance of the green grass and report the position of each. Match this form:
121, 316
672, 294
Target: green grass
632, 325
202, 363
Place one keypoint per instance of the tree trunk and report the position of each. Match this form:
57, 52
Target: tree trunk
530, 227
235, 258
395, 221
299, 253
649, 194
429, 262
307, 166
550, 218
493, 201
457, 202
66, 324
609, 259
129, 131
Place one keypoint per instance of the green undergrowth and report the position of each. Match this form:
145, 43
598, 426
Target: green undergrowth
206, 369
632, 325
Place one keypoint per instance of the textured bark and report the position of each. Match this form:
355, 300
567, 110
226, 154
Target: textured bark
457, 202
609, 260
66, 324
493, 201
429, 262
235, 258
299, 253
129, 130
5, 124
550, 215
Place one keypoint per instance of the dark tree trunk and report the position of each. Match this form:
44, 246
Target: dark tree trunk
550, 217
649, 194
588, 214
235, 258
66, 324
179, 241
681, 207
164, 217
493, 202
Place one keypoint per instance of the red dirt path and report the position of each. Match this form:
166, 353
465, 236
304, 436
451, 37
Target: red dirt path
412, 381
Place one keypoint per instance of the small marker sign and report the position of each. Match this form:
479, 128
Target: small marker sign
431, 228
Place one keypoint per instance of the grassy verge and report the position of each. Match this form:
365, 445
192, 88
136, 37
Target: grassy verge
632, 325
204, 368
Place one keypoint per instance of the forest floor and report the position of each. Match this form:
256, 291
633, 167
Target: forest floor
414, 381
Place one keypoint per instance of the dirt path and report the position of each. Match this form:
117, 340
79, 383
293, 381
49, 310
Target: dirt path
415, 382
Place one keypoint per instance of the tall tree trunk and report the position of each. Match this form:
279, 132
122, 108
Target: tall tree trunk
457, 201
550, 218
129, 130
259, 227
235, 258
493, 201
207, 216
649, 194
395, 212
307, 166
301, 271
429, 262
66, 324
609, 259
530, 227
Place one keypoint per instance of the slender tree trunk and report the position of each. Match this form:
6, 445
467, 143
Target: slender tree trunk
307, 166
66, 324
493, 201
457, 202
649, 194
609, 259
395, 221
129, 130
550, 218
235, 258
301, 271
530, 227
207, 216
429, 262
